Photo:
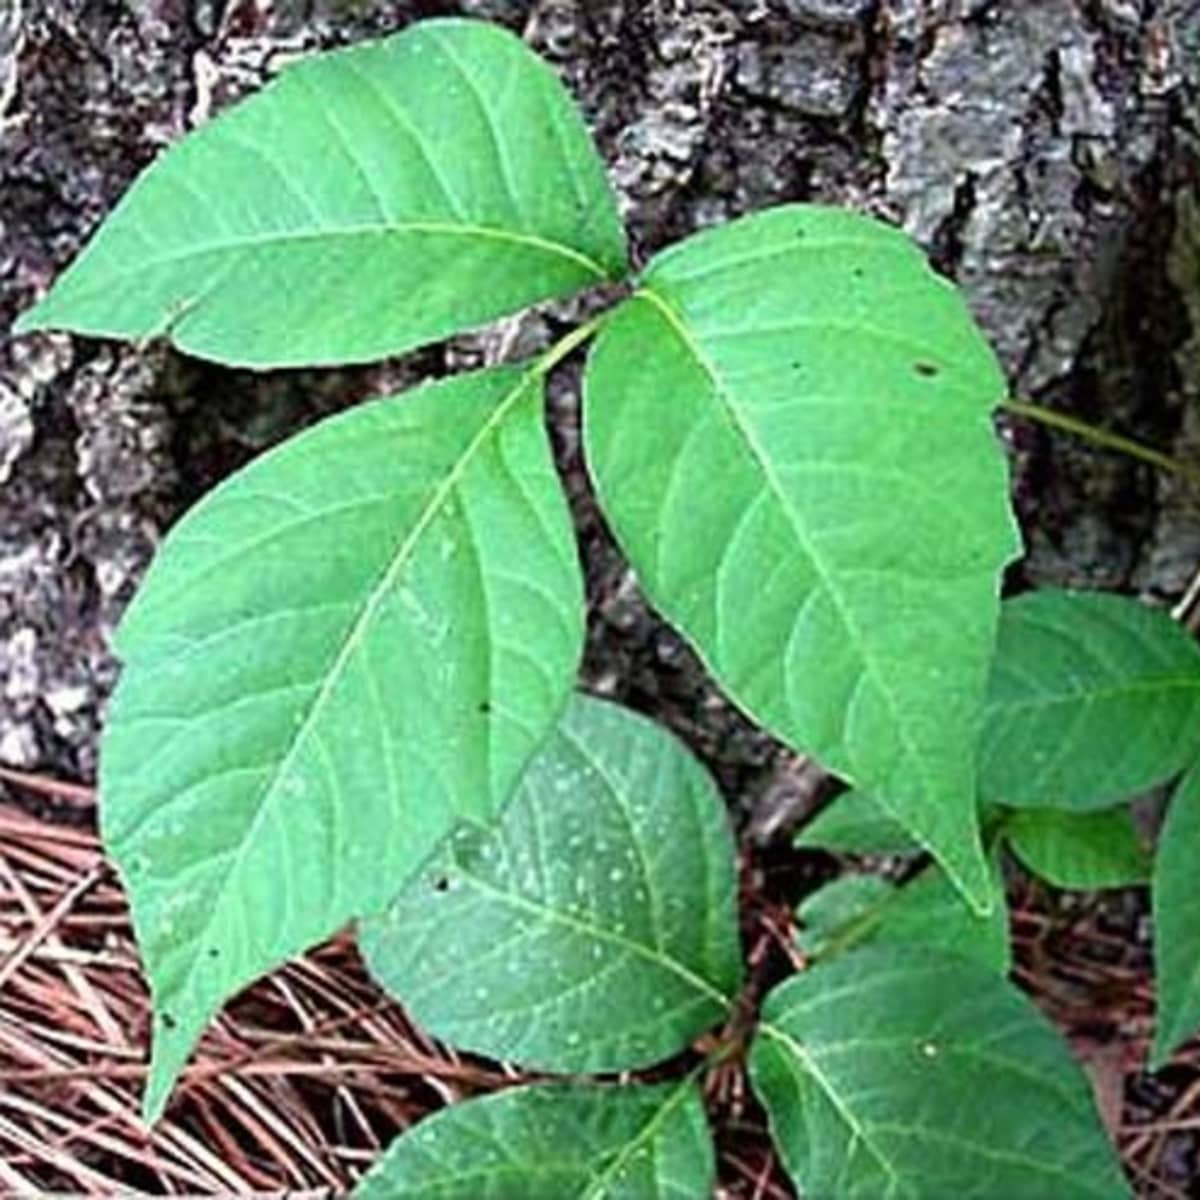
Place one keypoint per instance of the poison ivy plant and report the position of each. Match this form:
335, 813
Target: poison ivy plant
367, 201
815, 367
348, 688
258, 743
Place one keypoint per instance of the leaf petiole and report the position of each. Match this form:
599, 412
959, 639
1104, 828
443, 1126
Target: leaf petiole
567, 344
1066, 423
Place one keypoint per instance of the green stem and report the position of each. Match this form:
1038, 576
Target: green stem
567, 343
1100, 437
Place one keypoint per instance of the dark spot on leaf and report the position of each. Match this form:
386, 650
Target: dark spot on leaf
796, 366
484, 707
441, 884
858, 272
168, 1021
925, 368
213, 952
801, 233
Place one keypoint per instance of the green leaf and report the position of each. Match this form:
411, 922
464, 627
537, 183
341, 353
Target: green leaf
856, 824
926, 911
555, 1142
1093, 698
1079, 850
1176, 924
368, 201
330, 663
837, 908
595, 928
823, 506
892, 1074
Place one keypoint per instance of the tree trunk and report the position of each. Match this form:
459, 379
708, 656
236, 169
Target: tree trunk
1044, 151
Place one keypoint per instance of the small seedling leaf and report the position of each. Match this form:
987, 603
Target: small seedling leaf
1176, 923
855, 824
1092, 698
1079, 850
926, 911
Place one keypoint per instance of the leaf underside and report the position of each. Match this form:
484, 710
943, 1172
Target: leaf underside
892, 1074
593, 929
554, 1142
823, 506
1176, 926
368, 201
1092, 698
1079, 850
328, 667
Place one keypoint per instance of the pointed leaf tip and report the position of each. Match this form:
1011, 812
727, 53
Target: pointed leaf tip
367, 201
845, 598
332, 644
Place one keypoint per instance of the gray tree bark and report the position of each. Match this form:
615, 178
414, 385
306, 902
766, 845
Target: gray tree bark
1044, 151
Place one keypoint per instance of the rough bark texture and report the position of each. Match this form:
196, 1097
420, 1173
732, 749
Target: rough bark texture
1044, 151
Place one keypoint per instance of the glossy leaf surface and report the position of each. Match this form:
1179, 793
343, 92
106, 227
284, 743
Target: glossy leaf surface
1093, 698
889, 1074
822, 507
595, 928
1079, 850
1176, 923
554, 1142
367, 201
327, 667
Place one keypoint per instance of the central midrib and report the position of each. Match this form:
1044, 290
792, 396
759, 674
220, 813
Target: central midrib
832, 1095
596, 1189
356, 632
599, 933
675, 323
445, 228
